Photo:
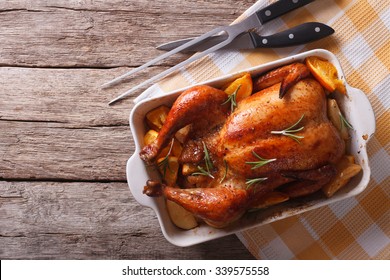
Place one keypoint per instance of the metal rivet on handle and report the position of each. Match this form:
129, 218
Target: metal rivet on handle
291, 36
267, 13
295, 1
264, 41
317, 29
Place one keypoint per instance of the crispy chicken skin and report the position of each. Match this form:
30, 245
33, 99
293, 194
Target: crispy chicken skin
248, 129
235, 138
200, 105
287, 76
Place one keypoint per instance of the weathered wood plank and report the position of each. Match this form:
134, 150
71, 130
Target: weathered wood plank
48, 220
116, 246
72, 97
50, 151
102, 33
224, 8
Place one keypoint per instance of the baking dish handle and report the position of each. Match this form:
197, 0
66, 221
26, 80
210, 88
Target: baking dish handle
134, 170
365, 115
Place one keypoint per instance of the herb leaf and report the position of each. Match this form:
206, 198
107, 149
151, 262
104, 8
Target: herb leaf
232, 99
251, 182
291, 130
164, 164
261, 162
203, 172
344, 122
226, 170
208, 162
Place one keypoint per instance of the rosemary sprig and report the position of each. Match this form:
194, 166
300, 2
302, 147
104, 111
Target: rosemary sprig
344, 122
208, 162
164, 164
203, 172
232, 99
251, 182
226, 170
261, 162
291, 130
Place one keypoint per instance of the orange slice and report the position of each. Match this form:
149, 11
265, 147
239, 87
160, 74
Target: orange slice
246, 86
325, 73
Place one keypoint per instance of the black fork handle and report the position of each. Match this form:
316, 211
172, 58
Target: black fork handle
279, 8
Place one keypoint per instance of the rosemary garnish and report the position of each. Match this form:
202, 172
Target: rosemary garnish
164, 164
251, 182
203, 172
261, 162
208, 162
291, 130
226, 170
232, 99
344, 122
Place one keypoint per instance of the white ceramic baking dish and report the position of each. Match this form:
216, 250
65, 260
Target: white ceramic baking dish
357, 110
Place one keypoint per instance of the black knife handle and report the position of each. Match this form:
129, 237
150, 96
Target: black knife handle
301, 34
279, 8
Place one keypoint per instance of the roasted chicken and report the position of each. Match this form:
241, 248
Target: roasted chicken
279, 138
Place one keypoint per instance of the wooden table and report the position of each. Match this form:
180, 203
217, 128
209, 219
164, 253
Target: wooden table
63, 190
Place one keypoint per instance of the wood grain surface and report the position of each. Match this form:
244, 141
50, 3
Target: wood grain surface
63, 190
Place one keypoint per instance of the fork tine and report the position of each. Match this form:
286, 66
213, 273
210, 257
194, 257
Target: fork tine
170, 70
163, 56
